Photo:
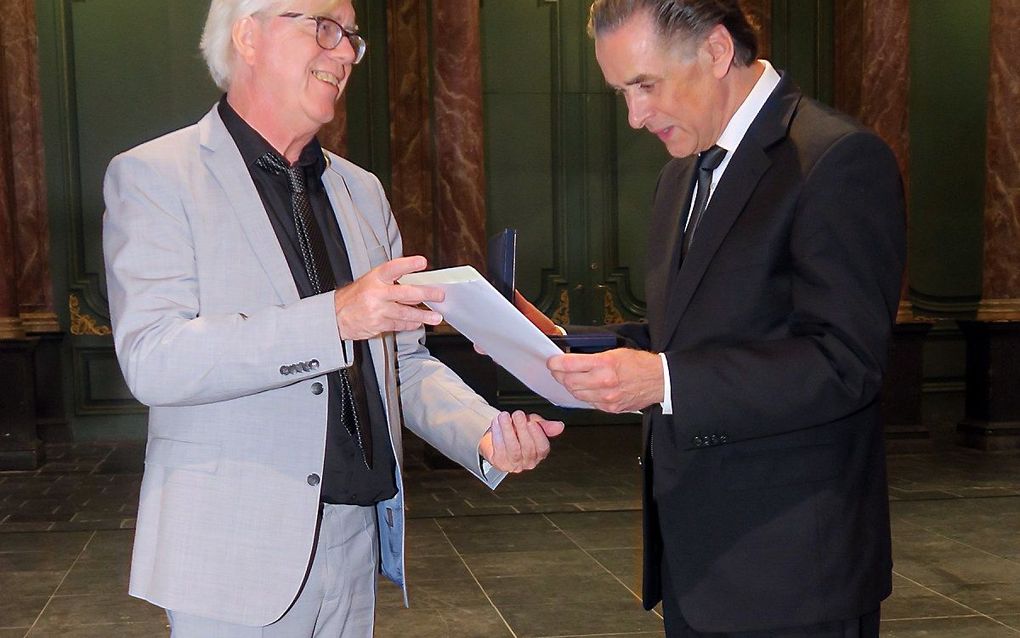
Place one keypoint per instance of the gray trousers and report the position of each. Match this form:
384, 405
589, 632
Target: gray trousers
338, 597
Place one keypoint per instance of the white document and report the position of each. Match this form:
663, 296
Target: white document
484, 316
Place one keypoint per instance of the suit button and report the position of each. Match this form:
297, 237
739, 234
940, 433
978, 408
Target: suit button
722, 438
284, 370
316, 388
697, 441
313, 479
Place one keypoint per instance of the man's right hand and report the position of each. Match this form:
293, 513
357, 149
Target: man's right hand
375, 303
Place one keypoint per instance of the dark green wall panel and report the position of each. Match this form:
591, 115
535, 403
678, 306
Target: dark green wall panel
949, 49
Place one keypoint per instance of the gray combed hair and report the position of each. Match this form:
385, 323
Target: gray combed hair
680, 20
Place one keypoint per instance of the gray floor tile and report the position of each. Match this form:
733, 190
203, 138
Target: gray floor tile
527, 541
969, 627
105, 608
117, 630
440, 623
595, 590
624, 564
987, 598
568, 619
502, 524
424, 568
934, 559
32, 584
436, 594
909, 600
532, 563
91, 576
20, 611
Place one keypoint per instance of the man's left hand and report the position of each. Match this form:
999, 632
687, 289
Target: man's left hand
620, 380
517, 442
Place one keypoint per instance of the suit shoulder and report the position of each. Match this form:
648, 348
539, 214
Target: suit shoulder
817, 129
161, 153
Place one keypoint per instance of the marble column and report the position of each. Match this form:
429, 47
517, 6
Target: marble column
19, 444
993, 341
410, 141
31, 232
10, 321
458, 133
760, 12
872, 79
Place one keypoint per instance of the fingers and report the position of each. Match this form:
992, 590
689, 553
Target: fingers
574, 362
394, 269
549, 428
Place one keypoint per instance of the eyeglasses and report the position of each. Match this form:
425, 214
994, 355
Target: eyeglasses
329, 33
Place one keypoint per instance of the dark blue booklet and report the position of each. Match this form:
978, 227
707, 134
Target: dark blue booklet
501, 265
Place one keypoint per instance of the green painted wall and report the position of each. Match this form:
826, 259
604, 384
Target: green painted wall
949, 58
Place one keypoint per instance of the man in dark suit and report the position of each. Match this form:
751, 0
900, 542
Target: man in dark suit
769, 315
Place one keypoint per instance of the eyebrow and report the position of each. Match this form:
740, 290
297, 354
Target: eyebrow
640, 79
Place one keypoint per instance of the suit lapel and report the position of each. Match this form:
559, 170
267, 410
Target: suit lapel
239, 195
672, 199
349, 218
733, 193
356, 236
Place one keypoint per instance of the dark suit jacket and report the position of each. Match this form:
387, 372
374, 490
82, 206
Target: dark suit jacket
767, 485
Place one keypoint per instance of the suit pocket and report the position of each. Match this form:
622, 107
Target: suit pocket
183, 455
792, 466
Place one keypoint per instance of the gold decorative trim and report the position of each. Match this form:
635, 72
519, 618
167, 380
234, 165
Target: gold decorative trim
36, 322
561, 316
84, 324
999, 310
610, 313
11, 328
905, 314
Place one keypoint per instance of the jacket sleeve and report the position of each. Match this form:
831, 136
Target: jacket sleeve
846, 245
172, 350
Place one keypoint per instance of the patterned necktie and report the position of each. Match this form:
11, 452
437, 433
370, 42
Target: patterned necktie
353, 400
708, 161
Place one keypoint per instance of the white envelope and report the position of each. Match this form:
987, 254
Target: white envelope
484, 316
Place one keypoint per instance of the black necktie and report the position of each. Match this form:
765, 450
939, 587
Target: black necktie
353, 401
708, 161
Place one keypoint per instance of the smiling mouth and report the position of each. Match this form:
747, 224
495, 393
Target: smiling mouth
327, 77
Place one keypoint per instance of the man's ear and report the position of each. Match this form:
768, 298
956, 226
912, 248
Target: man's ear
243, 35
719, 45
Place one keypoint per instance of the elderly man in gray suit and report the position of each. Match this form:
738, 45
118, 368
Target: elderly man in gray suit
255, 310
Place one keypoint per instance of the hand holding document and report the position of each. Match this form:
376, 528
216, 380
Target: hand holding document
484, 316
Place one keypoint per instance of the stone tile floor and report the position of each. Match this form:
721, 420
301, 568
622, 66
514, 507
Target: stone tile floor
554, 552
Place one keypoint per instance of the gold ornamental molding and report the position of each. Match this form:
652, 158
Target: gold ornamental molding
38, 322
11, 328
561, 316
83, 323
999, 310
610, 313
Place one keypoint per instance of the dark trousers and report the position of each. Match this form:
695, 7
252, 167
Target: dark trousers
865, 626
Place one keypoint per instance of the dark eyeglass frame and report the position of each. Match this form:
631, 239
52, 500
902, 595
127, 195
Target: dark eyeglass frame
322, 35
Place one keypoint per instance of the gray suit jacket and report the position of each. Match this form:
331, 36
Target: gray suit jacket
208, 327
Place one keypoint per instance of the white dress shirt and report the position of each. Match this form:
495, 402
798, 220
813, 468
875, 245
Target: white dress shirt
729, 140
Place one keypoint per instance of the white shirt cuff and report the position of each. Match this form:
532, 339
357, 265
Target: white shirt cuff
667, 392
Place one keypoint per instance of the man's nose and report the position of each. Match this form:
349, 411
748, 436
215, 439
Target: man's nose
344, 52
637, 112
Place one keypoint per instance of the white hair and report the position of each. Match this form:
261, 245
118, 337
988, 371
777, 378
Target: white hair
217, 38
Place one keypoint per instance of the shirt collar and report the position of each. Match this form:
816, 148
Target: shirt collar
252, 145
749, 108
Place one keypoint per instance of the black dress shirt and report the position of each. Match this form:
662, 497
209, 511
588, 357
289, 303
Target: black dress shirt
345, 478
